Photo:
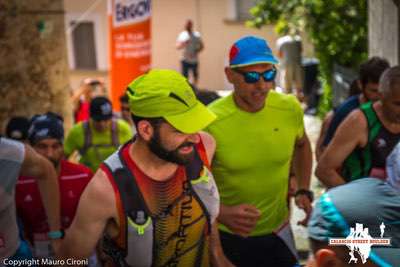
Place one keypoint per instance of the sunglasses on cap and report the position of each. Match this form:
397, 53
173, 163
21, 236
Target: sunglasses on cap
254, 76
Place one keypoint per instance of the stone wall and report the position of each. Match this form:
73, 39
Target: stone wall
33, 61
383, 29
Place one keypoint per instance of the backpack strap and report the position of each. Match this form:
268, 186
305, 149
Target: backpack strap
194, 167
133, 201
374, 124
203, 154
359, 163
133, 206
114, 248
114, 252
194, 170
114, 133
87, 137
374, 127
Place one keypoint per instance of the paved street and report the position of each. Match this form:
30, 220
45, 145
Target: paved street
312, 125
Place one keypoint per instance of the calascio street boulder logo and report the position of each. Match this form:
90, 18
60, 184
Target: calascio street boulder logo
360, 241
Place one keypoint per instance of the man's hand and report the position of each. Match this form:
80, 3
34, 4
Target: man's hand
240, 219
304, 203
182, 44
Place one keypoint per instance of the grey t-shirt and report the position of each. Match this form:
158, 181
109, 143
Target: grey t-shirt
291, 48
11, 157
191, 50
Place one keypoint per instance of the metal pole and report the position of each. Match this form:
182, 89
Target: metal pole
397, 3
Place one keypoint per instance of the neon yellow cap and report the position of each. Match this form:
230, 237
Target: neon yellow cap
167, 94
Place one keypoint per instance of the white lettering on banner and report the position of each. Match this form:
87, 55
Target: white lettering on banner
126, 12
131, 45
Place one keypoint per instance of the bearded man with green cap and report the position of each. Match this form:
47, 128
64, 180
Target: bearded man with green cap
154, 202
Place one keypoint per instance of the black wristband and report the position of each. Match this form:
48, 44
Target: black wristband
305, 192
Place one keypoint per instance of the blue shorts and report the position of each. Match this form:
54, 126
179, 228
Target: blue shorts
23, 252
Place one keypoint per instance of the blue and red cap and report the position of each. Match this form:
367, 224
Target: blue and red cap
250, 50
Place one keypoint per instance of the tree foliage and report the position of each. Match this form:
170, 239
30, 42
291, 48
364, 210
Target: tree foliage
337, 28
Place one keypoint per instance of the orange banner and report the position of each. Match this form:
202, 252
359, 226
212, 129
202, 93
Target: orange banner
130, 43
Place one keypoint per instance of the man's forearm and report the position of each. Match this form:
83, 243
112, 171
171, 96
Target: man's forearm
76, 97
302, 164
330, 178
216, 252
49, 190
180, 45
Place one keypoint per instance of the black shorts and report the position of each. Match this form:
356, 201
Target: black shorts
186, 67
257, 251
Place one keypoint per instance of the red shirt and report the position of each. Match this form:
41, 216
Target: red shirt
72, 180
83, 112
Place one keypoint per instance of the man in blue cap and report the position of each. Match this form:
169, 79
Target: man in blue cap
369, 201
258, 132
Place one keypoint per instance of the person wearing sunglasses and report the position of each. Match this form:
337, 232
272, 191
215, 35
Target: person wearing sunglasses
258, 132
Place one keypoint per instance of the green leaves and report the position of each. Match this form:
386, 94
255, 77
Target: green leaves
337, 28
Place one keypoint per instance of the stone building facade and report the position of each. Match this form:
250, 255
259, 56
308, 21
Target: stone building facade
383, 29
34, 74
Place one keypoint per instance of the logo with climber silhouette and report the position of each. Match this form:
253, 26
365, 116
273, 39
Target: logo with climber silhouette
359, 240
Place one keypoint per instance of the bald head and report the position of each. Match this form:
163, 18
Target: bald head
390, 81
189, 25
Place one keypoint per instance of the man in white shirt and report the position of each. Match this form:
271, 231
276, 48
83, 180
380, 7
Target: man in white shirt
290, 49
191, 43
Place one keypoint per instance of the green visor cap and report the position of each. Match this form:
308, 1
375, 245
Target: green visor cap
167, 94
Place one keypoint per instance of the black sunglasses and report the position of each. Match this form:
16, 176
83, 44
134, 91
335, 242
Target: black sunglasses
254, 76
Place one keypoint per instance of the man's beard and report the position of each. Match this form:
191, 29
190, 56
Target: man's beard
173, 156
